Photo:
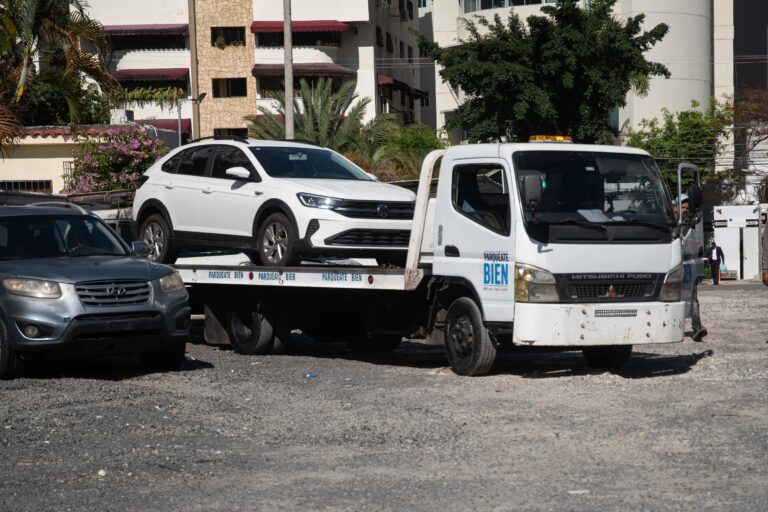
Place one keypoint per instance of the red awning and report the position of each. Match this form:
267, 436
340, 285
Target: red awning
131, 30
301, 26
318, 69
384, 80
176, 74
170, 124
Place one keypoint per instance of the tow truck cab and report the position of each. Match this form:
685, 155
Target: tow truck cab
559, 245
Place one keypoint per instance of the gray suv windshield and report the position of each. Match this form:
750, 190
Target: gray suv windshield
296, 162
39, 236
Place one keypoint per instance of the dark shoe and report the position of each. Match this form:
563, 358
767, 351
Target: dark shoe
699, 334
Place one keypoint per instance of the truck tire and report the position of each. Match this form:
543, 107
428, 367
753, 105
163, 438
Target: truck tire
252, 332
468, 345
156, 231
168, 359
11, 365
610, 357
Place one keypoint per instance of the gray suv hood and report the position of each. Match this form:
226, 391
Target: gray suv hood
80, 269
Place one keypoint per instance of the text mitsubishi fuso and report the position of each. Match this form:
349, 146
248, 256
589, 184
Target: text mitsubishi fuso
554, 245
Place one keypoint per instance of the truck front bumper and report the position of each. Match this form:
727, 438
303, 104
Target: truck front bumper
583, 325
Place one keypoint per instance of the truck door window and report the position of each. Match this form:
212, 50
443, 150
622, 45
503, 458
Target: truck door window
481, 193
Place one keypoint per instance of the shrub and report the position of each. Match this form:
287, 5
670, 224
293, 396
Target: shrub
114, 161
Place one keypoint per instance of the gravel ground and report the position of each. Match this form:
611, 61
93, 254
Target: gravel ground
681, 427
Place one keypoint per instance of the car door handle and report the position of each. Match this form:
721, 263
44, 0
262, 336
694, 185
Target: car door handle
169, 186
452, 251
207, 191
257, 193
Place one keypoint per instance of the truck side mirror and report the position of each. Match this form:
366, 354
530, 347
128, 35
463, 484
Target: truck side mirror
694, 198
533, 189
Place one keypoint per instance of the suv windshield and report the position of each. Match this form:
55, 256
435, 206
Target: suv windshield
288, 162
39, 236
605, 189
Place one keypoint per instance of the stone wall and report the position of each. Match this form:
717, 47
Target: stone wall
229, 62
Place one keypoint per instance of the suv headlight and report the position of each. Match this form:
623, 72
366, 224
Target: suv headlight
171, 283
314, 201
33, 288
533, 284
672, 289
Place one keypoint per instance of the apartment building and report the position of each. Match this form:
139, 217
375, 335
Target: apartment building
151, 57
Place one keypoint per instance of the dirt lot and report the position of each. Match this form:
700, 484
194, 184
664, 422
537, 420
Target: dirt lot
681, 427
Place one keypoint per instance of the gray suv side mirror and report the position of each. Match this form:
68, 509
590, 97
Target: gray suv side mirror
240, 173
141, 248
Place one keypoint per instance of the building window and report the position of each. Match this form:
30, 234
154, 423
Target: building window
121, 43
379, 37
479, 5
409, 8
236, 132
422, 3
28, 186
401, 8
276, 40
402, 50
227, 36
390, 45
410, 55
230, 87
268, 86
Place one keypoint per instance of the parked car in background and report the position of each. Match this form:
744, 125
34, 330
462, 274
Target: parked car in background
277, 201
69, 284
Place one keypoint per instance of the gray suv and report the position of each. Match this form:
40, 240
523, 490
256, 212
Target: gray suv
69, 284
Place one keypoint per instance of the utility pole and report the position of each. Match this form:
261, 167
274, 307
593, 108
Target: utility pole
288, 43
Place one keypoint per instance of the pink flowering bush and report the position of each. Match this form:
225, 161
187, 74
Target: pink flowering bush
113, 161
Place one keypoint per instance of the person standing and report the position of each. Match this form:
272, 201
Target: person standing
716, 258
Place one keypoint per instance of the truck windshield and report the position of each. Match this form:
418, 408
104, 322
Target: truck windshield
594, 192
39, 236
312, 163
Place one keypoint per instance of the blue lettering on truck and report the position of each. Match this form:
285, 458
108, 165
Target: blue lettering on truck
495, 270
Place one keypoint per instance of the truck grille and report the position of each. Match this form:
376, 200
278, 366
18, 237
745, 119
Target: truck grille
113, 293
608, 287
376, 210
372, 238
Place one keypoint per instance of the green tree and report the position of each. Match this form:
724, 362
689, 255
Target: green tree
330, 119
45, 104
60, 34
406, 149
561, 73
697, 136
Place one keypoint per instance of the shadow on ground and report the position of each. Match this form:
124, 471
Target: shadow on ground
111, 368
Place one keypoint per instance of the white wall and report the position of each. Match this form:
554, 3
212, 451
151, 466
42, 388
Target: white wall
341, 10
38, 158
138, 12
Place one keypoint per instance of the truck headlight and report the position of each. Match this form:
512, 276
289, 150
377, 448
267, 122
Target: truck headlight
533, 284
171, 283
672, 289
33, 288
314, 201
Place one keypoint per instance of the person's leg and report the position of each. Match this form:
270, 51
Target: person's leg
715, 268
699, 331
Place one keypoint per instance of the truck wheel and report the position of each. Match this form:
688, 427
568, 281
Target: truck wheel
157, 233
375, 343
468, 345
168, 359
252, 332
275, 240
11, 365
610, 357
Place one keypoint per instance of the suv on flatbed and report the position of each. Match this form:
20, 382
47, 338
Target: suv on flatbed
69, 284
277, 201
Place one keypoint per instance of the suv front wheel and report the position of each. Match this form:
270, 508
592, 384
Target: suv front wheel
157, 233
275, 241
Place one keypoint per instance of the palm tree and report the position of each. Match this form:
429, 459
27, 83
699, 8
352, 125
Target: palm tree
59, 33
330, 119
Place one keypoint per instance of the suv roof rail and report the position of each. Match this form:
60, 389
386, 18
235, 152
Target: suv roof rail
219, 137
304, 141
59, 204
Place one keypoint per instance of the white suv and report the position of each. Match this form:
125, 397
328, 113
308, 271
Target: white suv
277, 201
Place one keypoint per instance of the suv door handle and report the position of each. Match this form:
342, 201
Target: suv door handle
452, 251
169, 186
207, 191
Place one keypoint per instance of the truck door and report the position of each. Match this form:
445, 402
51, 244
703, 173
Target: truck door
473, 240
692, 238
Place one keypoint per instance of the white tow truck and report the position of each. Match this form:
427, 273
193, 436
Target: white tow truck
562, 246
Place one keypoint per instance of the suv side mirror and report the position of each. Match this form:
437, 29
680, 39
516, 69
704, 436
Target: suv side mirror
694, 198
240, 173
141, 248
533, 189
